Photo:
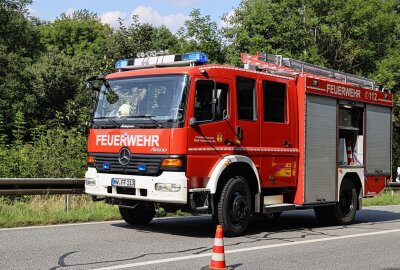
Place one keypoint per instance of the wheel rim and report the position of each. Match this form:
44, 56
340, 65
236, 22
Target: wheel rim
346, 202
238, 207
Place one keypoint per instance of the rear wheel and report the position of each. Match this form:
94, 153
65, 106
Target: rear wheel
344, 211
234, 206
140, 214
347, 207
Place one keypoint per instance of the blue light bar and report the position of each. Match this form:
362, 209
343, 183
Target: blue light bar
196, 56
162, 61
142, 168
121, 63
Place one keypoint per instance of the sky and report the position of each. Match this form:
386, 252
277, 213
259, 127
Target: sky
171, 13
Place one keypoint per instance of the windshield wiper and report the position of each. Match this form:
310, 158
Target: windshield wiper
115, 123
158, 124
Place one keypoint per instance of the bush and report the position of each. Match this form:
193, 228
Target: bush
57, 153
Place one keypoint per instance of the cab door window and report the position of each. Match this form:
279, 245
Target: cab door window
211, 99
246, 98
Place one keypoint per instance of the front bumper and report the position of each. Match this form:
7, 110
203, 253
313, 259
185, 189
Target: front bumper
144, 185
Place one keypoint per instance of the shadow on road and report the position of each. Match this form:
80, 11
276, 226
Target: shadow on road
203, 227
291, 226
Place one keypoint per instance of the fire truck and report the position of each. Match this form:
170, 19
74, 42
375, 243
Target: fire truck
277, 134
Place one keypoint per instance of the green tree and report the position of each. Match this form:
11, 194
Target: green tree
278, 27
3, 133
19, 128
139, 37
350, 35
20, 46
80, 33
57, 88
355, 35
200, 33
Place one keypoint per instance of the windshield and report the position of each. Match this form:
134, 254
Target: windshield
155, 99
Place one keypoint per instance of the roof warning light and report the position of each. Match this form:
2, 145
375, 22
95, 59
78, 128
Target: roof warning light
186, 59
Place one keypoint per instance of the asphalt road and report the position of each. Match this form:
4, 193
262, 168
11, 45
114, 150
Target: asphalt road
295, 241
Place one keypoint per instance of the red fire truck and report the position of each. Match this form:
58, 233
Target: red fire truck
280, 134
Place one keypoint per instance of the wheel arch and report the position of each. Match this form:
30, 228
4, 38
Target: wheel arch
358, 184
355, 178
234, 165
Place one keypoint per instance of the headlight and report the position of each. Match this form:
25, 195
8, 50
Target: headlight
90, 181
168, 187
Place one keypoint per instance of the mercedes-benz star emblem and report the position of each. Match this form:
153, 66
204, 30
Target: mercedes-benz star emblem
124, 156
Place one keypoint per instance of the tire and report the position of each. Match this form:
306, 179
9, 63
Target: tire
348, 200
141, 214
344, 211
234, 206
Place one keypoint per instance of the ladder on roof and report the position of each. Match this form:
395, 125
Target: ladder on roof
278, 64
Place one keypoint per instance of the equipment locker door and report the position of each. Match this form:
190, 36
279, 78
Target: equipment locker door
320, 159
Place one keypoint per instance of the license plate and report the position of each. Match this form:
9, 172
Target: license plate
120, 182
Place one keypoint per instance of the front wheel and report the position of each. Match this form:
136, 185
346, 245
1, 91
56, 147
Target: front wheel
140, 214
234, 206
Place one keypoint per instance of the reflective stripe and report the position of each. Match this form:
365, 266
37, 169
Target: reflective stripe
218, 242
256, 149
218, 257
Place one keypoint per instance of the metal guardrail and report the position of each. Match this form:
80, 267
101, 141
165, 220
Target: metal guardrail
394, 186
41, 186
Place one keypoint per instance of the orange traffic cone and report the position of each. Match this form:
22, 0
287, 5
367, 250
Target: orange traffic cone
218, 255
349, 153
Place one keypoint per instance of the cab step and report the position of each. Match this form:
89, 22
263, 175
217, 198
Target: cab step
274, 208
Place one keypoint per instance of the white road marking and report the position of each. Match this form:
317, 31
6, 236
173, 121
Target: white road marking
88, 223
182, 258
61, 225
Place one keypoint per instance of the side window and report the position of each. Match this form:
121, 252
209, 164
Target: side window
204, 98
221, 110
274, 101
246, 98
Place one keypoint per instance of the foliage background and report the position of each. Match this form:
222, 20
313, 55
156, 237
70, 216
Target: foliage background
44, 105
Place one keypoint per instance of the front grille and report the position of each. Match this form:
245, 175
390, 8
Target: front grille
153, 163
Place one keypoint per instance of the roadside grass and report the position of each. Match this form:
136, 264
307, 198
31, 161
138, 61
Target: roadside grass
387, 197
18, 211
50, 209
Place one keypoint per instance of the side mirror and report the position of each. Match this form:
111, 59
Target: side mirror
94, 82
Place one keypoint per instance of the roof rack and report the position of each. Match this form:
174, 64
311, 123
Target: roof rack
279, 64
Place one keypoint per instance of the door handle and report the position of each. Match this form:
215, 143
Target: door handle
239, 133
228, 142
287, 144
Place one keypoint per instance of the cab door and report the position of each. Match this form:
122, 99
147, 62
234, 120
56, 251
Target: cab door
278, 138
247, 127
211, 127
